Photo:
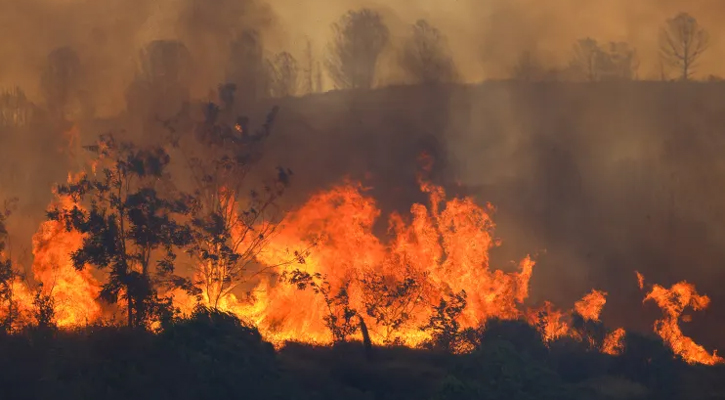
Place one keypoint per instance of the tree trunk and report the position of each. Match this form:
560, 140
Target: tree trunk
130, 310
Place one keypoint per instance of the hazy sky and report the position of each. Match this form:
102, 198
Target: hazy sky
486, 36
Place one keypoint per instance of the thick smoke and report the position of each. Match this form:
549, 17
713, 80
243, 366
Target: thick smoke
601, 181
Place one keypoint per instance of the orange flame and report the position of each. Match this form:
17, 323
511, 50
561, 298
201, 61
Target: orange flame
74, 292
444, 248
590, 306
673, 302
614, 342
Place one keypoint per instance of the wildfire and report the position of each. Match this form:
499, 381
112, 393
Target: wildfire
436, 256
443, 248
673, 302
614, 342
74, 292
591, 305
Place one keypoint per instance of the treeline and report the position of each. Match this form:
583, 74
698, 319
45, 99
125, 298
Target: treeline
352, 59
213, 354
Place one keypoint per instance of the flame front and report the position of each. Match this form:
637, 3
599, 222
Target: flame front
673, 302
444, 248
74, 292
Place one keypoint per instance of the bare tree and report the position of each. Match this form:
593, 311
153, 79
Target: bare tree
309, 69
682, 42
283, 73
15, 108
247, 67
587, 59
231, 221
593, 62
359, 38
619, 62
426, 56
528, 68
163, 79
60, 81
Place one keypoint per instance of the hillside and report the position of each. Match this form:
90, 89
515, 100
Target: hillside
600, 180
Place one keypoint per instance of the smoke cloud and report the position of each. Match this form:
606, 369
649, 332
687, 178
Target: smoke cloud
600, 182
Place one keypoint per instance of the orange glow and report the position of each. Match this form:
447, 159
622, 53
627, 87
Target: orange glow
443, 247
590, 306
673, 302
74, 292
614, 342
640, 280
551, 322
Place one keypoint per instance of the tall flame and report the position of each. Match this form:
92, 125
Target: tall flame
74, 292
443, 247
673, 302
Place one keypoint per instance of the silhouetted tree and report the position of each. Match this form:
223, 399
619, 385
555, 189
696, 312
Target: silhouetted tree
682, 42
426, 56
8, 275
218, 355
525, 338
587, 58
283, 73
390, 301
127, 221
309, 70
16, 110
359, 39
497, 371
44, 309
649, 361
528, 68
231, 220
246, 67
61, 81
443, 323
340, 318
163, 80
618, 61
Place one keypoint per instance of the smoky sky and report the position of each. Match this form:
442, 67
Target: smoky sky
486, 37
599, 183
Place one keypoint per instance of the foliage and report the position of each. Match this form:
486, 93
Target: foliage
497, 371
359, 38
61, 80
340, 318
617, 61
283, 75
443, 323
390, 302
246, 67
8, 275
682, 42
528, 68
212, 353
163, 80
647, 360
218, 355
44, 309
426, 56
227, 229
127, 222
16, 110
525, 338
